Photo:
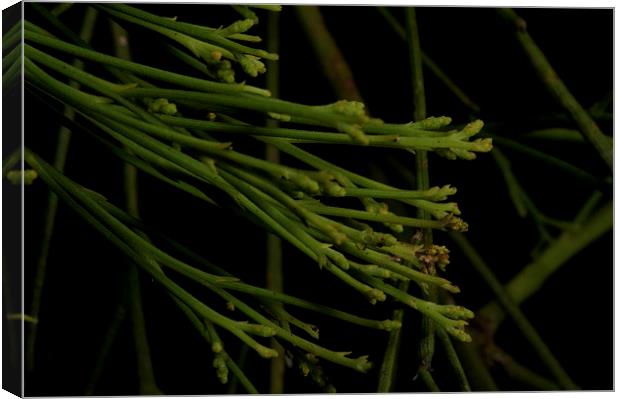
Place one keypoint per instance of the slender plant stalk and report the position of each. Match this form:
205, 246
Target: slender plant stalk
550, 160
531, 278
453, 359
62, 150
512, 308
558, 89
519, 372
522, 202
274, 280
426, 346
388, 367
243, 355
146, 376
431, 65
476, 367
106, 346
238, 374
333, 63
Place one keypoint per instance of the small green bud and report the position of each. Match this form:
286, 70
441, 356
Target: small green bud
471, 129
298, 195
396, 228
362, 364
339, 259
265, 352
455, 223
304, 182
350, 108
28, 175
251, 65
456, 312
441, 193
222, 375
258, 329
450, 288
375, 295
464, 154
162, 106
334, 189
218, 362
446, 153
169, 109
433, 123
217, 347
224, 71
380, 239
279, 117
457, 330
484, 145
390, 325
237, 27
354, 131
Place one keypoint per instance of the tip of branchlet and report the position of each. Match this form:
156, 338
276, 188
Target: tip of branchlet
374, 294
390, 325
162, 106
28, 175
440, 193
484, 145
455, 223
251, 65
433, 123
279, 117
237, 27
217, 347
459, 334
472, 128
363, 364
355, 132
451, 288
265, 352
456, 312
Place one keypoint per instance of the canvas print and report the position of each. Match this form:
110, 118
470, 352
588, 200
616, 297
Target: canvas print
214, 199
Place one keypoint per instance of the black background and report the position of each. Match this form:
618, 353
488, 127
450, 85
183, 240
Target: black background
573, 312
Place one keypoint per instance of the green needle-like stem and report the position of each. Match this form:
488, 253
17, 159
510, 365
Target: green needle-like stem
333, 63
192, 30
62, 150
154, 73
550, 160
426, 346
232, 365
431, 65
146, 376
106, 346
275, 272
512, 308
532, 277
558, 89
453, 359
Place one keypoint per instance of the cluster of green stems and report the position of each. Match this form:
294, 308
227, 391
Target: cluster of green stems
141, 123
